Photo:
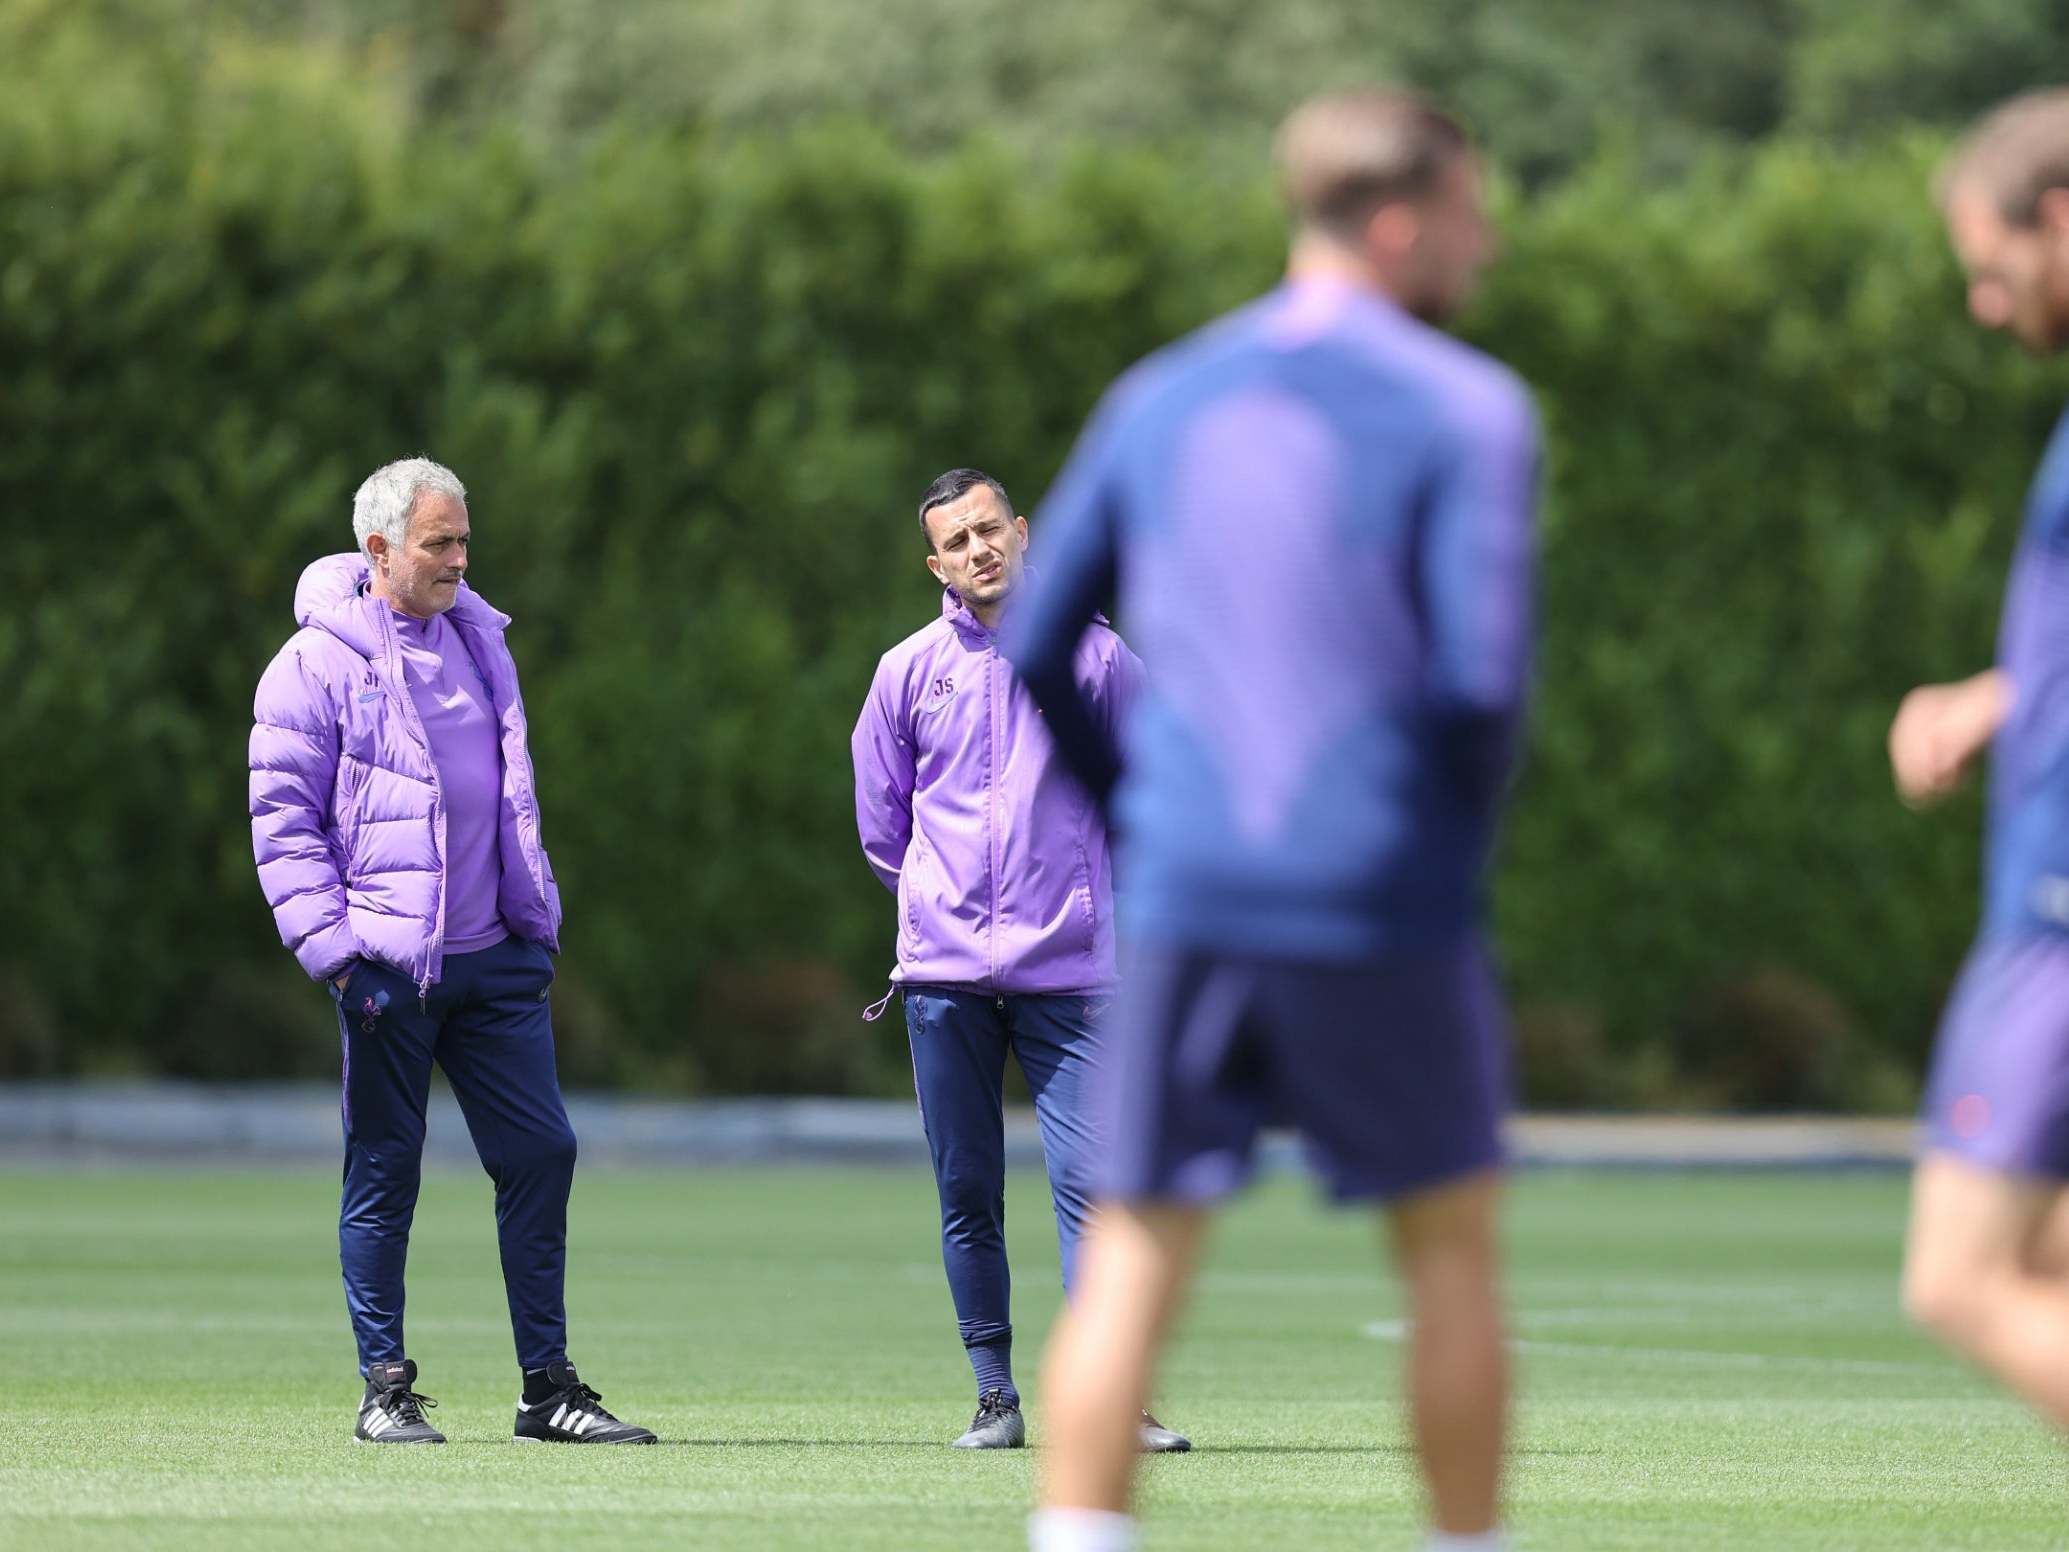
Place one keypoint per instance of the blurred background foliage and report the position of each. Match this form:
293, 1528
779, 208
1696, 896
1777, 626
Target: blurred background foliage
1545, 80
697, 298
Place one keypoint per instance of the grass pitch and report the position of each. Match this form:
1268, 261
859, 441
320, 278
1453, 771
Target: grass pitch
1707, 1361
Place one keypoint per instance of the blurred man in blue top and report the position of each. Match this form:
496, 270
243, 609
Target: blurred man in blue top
1317, 513
1989, 1242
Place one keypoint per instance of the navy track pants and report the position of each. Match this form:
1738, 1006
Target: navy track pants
488, 1025
960, 1040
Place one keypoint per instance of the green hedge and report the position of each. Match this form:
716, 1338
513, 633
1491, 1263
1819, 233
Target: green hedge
694, 390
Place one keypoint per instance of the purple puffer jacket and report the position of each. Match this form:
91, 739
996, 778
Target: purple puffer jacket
997, 856
347, 823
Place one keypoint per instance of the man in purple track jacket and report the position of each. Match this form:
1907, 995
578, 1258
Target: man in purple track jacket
1005, 911
397, 837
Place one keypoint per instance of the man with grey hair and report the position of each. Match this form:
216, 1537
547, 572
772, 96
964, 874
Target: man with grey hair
397, 840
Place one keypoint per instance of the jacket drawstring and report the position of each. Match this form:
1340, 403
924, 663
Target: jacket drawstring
875, 1010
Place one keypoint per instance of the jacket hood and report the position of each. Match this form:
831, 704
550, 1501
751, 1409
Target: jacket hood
331, 597
327, 583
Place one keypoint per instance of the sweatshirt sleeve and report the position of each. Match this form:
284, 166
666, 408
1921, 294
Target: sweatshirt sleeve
1078, 535
1479, 561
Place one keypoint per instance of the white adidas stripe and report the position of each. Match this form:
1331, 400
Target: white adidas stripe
377, 1422
569, 1420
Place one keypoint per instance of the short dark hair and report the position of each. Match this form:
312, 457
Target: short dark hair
1343, 155
953, 486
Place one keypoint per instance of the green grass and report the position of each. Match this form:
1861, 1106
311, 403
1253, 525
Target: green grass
1707, 1361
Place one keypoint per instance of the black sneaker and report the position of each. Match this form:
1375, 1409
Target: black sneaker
1155, 1439
392, 1413
998, 1424
573, 1414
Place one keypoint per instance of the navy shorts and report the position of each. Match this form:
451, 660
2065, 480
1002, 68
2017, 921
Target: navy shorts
1999, 1091
1394, 1070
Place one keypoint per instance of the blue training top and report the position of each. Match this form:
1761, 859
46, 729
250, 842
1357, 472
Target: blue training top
1318, 515
2026, 866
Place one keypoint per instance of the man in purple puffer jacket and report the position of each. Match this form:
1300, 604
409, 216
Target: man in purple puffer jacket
1005, 911
397, 840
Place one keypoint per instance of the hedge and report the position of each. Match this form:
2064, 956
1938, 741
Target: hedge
694, 390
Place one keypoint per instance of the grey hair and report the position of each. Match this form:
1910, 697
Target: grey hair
383, 504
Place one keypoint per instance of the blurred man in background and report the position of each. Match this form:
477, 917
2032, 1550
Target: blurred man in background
1319, 515
1989, 1240
1005, 912
397, 839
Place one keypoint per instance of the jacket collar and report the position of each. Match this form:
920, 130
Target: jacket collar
332, 597
959, 614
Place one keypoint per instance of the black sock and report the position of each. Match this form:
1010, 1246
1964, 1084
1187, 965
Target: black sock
537, 1387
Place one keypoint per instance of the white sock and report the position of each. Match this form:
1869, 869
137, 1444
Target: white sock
1080, 1530
1484, 1541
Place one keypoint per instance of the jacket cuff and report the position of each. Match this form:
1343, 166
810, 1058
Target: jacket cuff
324, 954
